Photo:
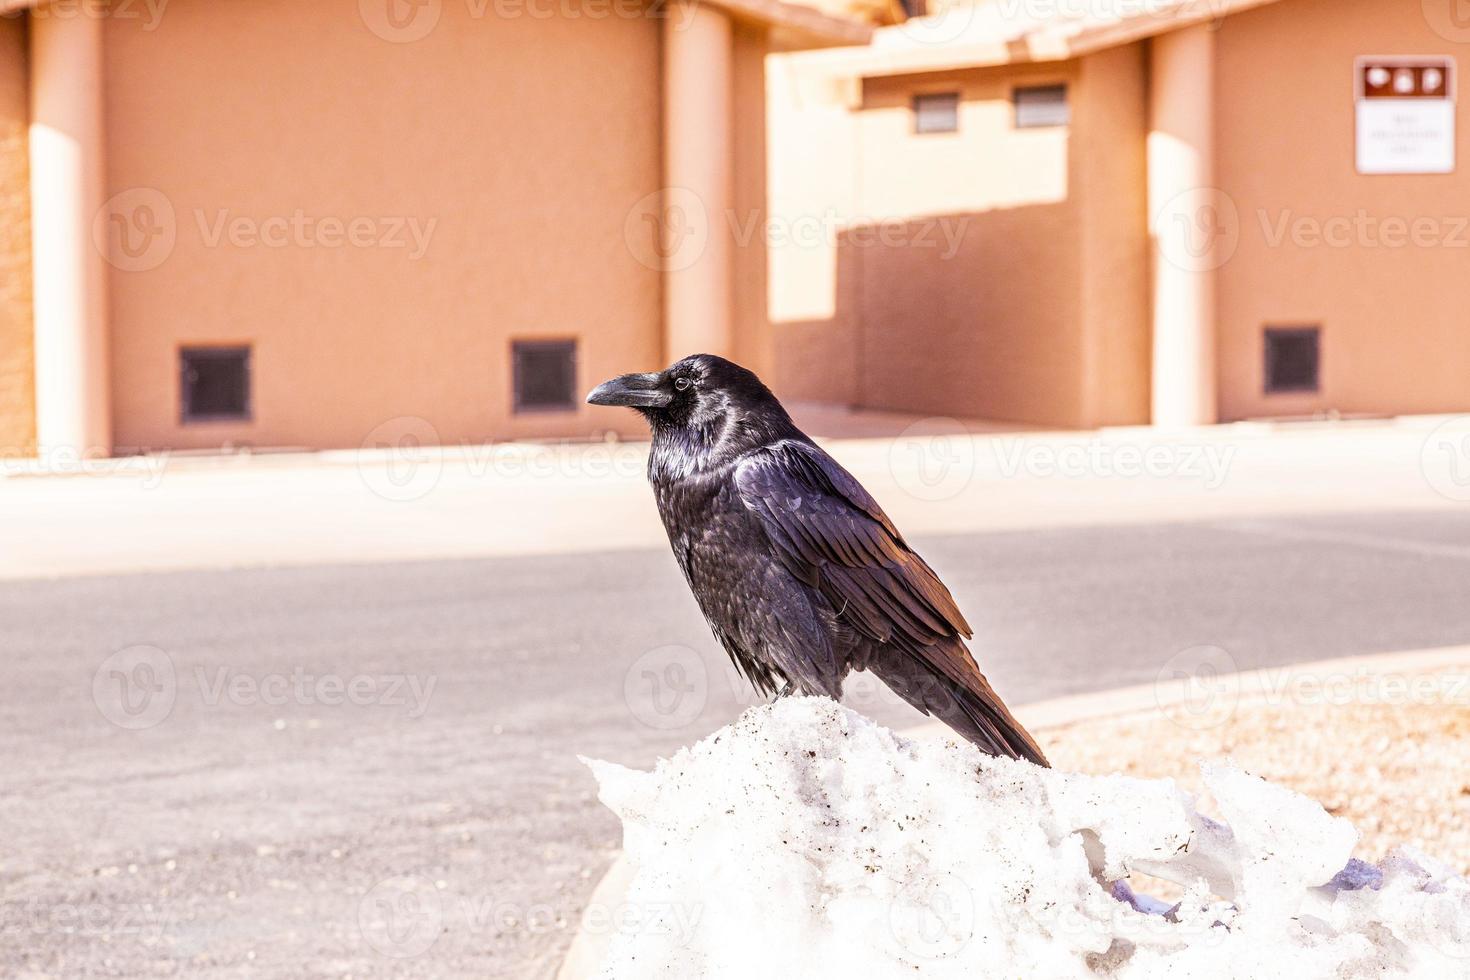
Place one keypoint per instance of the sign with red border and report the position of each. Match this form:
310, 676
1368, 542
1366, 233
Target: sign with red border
1405, 115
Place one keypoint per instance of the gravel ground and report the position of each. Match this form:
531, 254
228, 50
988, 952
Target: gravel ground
1396, 764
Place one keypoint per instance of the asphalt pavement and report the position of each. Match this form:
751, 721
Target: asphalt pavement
370, 770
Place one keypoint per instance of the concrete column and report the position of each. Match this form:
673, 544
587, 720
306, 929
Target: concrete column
1186, 225
70, 273
698, 159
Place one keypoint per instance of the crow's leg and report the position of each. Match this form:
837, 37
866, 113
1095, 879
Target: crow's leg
785, 691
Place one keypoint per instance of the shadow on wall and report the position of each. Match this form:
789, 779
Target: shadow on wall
968, 315
1011, 283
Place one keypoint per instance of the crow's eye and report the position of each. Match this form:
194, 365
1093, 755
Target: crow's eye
683, 384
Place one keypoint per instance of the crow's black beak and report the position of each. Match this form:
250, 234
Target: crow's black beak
632, 391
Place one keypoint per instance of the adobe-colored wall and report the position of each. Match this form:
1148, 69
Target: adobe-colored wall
1013, 282
526, 140
972, 334
17, 355
812, 166
1395, 326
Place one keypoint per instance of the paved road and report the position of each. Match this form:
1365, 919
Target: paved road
370, 770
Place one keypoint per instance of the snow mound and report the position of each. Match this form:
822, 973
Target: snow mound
805, 841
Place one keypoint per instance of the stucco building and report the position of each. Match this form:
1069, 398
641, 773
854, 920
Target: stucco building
1124, 212
275, 223
279, 224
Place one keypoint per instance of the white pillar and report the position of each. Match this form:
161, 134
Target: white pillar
1190, 222
699, 180
70, 287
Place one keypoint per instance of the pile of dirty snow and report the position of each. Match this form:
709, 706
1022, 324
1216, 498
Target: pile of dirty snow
805, 841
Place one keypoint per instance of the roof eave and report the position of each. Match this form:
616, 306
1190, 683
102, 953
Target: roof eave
792, 26
795, 26
1060, 43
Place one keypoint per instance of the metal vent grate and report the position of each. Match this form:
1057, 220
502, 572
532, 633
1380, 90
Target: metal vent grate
545, 375
214, 384
1042, 105
937, 112
1293, 359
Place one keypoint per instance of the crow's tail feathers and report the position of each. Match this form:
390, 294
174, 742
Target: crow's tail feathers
971, 707
983, 718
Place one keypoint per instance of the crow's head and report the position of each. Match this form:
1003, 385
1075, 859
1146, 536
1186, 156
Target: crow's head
705, 405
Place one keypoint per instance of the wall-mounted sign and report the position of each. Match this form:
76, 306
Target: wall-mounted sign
1406, 115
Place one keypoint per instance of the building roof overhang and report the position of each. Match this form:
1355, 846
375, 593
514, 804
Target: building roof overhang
793, 26
998, 32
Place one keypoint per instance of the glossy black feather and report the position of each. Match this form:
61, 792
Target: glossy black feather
799, 572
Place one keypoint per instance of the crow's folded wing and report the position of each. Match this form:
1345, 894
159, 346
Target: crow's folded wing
830, 533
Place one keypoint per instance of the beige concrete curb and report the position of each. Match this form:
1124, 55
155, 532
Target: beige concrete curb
589, 946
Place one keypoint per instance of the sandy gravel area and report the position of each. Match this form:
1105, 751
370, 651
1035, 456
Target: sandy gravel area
1390, 754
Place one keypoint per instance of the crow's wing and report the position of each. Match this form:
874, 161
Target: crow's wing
831, 534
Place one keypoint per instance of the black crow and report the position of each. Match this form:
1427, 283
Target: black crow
797, 569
